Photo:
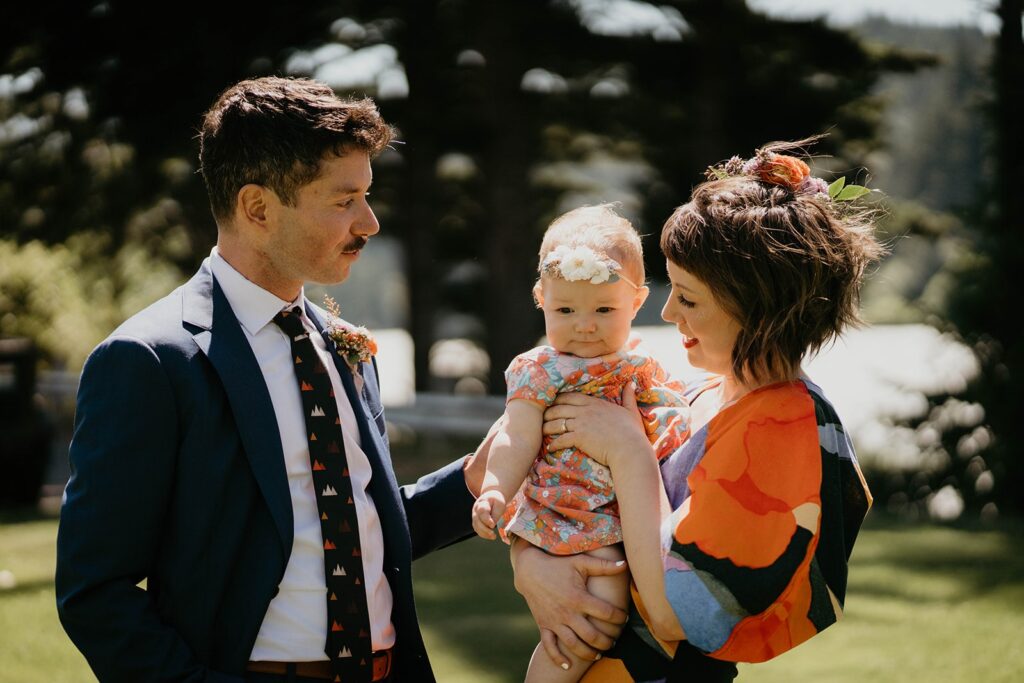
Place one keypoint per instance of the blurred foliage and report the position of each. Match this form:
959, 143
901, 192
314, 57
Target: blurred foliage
936, 127
98, 98
69, 296
958, 262
101, 209
985, 303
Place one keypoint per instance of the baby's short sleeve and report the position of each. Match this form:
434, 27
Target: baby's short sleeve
532, 376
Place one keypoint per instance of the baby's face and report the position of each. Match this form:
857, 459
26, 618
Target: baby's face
588, 320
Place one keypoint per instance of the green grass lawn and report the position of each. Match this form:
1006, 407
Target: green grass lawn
926, 603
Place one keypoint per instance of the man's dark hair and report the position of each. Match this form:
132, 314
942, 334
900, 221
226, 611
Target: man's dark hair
275, 132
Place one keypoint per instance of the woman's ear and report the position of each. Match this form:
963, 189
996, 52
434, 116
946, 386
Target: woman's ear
638, 300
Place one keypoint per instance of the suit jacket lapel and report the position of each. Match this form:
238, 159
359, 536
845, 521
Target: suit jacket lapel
219, 335
370, 439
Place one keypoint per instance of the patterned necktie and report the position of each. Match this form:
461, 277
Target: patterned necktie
348, 621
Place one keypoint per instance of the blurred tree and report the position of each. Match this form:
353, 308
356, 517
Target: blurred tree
706, 80
505, 103
985, 304
112, 90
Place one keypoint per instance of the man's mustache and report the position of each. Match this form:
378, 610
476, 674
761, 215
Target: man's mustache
356, 244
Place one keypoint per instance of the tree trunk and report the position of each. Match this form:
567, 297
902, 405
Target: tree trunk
513, 324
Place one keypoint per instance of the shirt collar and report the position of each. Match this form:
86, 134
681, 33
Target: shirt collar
252, 305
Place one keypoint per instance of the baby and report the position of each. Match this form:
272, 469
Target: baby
590, 289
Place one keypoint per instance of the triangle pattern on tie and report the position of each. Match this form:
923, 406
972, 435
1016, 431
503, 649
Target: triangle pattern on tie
348, 643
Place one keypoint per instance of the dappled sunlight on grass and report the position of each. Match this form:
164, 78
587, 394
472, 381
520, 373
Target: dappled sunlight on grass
925, 602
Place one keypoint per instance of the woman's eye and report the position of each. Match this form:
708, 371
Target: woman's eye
685, 302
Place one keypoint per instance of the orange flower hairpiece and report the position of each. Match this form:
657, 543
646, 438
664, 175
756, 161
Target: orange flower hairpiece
786, 171
780, 169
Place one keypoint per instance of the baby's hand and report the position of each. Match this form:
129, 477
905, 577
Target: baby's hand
487, 510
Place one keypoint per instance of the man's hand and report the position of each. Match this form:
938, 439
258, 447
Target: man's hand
487, 512
555, 589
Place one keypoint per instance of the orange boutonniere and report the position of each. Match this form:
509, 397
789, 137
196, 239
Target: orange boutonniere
353, 343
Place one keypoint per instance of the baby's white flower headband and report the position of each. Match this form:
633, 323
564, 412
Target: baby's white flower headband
581, 263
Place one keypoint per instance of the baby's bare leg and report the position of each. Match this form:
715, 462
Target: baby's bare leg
613, 589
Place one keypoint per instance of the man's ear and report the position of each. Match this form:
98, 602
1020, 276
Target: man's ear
253, 205
639, 298
538, 295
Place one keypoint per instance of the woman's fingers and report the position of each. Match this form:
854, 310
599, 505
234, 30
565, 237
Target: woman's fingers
629, 397
594, 607
557, 425
570, 640
549, 641
566, 440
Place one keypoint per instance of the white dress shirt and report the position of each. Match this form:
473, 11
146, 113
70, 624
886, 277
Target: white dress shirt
295, 626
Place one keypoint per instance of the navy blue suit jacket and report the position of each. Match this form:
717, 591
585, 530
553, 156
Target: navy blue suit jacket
178, 479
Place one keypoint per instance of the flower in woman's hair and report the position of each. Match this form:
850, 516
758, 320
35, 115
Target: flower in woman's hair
353, 343
734, 166
784, 170
812, 185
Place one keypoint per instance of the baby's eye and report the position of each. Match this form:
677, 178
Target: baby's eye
564, 310
605, 309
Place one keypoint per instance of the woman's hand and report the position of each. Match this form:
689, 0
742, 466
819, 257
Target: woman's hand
555, 589
601, 429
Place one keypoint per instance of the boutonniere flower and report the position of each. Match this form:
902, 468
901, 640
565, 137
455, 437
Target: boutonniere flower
353, 343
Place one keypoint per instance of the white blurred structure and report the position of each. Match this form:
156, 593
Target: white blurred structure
876, 377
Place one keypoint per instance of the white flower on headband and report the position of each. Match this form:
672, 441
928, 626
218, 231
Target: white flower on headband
580, 263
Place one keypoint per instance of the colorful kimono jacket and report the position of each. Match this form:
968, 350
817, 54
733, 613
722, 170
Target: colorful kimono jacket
768, 499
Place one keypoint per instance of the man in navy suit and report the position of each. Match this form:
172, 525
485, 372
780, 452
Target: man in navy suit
190, 461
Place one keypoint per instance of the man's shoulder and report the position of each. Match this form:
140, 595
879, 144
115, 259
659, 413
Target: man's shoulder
158, 326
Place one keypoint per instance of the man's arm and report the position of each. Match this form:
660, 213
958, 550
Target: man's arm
122, 463
438, 506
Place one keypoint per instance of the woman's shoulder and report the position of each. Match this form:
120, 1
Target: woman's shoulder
784, 398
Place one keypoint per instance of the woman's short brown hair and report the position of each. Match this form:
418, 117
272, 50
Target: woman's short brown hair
275, 132
786, 265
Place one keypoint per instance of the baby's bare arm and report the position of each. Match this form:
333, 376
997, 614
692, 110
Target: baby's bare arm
513, 450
